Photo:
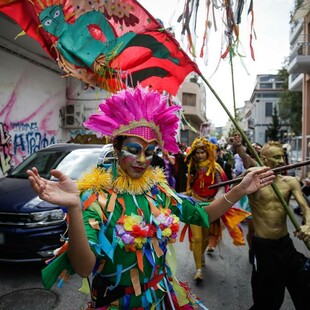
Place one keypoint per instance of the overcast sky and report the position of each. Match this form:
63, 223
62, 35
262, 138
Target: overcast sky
271, 48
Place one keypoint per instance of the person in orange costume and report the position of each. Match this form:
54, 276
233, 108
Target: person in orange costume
203, 171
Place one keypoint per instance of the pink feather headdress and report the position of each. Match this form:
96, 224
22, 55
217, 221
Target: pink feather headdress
138, 112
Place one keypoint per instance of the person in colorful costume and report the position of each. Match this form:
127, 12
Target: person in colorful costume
203, 171
123, 221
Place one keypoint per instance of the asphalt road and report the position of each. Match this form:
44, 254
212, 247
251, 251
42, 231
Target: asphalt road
227, 277
226, 284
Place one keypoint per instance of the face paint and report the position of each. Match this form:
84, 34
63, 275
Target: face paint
275, 157
135, 156
136, 151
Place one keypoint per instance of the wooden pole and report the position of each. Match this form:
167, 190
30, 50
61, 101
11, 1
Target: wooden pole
251, 148
276, 170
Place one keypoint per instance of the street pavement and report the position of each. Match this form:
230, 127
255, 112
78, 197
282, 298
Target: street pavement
226, 284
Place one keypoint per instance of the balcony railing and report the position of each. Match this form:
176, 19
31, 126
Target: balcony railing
302, 47
299, 59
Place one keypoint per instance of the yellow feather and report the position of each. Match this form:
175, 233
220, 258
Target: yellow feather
150, 178
95, 180
99, 179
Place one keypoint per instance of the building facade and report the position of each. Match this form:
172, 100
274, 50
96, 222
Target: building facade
299, 69
192, 96
256, 115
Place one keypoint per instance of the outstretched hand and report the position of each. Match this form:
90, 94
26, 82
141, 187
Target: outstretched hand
64, 192
257, 178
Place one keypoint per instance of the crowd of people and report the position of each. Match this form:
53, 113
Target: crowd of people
124, 220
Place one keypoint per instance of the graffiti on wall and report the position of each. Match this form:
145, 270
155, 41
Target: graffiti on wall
23, 140
21, 135
5, 146
27, 138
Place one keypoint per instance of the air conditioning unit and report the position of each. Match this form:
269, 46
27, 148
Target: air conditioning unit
74, 115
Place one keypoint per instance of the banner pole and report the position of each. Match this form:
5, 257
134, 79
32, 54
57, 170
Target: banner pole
249, 145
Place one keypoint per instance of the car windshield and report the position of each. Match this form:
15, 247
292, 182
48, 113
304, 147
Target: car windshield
72, 163
79, 161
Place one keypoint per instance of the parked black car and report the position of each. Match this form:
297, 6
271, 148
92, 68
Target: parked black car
30, 229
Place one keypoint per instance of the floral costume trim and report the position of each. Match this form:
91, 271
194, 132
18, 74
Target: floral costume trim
143, 221
133, 231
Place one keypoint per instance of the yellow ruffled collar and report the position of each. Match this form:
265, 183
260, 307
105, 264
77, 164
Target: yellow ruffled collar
99, 179
204, 164
210, 167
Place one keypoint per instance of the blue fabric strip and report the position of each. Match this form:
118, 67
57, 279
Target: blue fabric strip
126, 300
108, 221
115, 273
149, 297
148, 253
118, 277
145, 303
104, 243
169, 293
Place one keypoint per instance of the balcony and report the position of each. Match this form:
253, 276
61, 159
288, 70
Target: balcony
299, 61
296, 29
192, 99
194, 114
295, 82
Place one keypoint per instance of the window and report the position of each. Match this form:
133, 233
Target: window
271, 95
268, 109
265, 85
189, 99
265, 78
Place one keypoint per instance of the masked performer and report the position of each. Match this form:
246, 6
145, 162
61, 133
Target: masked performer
203, 171
123, 220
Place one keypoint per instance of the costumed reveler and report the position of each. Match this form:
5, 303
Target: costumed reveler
123, 221
203, 171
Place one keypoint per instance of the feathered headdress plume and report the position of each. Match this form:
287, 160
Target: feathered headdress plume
138, 112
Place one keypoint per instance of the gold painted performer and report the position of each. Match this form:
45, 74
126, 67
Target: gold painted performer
277, 264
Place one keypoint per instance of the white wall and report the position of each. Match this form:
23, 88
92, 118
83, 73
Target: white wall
31, 97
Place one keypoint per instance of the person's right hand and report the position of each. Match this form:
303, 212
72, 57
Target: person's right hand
307, 182
237, 139
64, 192
236, 142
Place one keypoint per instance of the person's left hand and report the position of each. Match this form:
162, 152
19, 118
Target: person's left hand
303, 233
256, 178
